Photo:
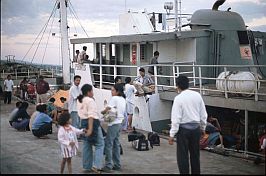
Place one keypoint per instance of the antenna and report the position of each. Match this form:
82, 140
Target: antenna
178, 15
125, 5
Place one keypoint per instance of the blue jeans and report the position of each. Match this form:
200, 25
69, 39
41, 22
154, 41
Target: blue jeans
87, 159
75, 119
112, 147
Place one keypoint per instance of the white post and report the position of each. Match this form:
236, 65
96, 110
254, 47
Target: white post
174, 75
176, 13
200, 81
225, 84
194, 75
115, 72
101, 77
155, 79
28, 73
64, 42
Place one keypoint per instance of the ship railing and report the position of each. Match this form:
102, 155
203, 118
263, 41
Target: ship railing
17, 75
198, 79
165, 77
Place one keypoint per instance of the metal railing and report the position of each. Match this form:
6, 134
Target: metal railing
198, 75
49, 73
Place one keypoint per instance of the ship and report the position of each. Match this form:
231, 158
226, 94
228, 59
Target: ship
224, 61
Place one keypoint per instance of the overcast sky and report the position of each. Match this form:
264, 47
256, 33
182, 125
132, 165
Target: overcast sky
22, 21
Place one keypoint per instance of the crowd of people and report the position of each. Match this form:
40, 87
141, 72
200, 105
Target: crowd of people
78, 119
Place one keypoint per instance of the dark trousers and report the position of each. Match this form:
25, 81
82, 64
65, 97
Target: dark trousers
188, 145
7, 97
22, 125
43, 130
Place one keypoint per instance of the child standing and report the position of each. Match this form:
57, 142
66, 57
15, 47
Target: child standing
67, 137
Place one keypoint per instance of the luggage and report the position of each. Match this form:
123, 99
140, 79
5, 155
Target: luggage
135, 135
154, 138
141, 144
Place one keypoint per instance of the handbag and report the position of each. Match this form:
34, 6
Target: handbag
110, 115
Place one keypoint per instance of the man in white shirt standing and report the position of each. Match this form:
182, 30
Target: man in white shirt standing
8, 87
74, 92
82, 55
129, 92
189, 120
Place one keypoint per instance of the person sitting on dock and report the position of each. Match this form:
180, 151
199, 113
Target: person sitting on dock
42, 124
14, 113
214, 131
34, 115
52, 109
143, 83
22, 118
42, 87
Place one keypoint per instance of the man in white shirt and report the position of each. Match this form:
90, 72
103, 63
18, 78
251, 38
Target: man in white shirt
8, 87
189, 120
129, 92
74, 92
82, 55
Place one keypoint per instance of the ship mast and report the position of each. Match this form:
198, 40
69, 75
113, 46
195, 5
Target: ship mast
66, 63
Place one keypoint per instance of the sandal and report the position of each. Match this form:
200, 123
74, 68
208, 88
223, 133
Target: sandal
95, 170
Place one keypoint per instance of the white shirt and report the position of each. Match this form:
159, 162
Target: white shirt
87, 109
188, 107
129, 92
74, 92
120, 104
81, 56
8, 84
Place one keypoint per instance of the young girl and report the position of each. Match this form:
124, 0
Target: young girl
67, 137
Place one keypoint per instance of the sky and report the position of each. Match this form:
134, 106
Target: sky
23, 20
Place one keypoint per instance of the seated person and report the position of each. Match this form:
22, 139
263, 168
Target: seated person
65, 104
42, 124
14, 113
262, 141
64, 108
22, 118
213, 129
51, 109
143, 83
34, 115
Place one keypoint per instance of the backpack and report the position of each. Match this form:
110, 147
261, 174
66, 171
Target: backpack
141, 144
135, 135
154, 138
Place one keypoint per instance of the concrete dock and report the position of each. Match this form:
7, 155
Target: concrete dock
21, 152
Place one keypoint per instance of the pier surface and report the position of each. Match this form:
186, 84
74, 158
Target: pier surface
21, 152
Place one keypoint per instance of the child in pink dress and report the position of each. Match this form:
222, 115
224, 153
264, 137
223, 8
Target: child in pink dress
67, 137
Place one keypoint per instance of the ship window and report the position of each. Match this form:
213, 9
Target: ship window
243, 37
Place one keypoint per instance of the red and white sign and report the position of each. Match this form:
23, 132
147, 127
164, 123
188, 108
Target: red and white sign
245, 52
134, 54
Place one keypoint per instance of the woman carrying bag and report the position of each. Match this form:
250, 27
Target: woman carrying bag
117, 105
88, 113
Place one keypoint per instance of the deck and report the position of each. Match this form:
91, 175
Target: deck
21, 152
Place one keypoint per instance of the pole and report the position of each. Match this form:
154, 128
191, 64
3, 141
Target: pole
176, 13
64, 42
246, 130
